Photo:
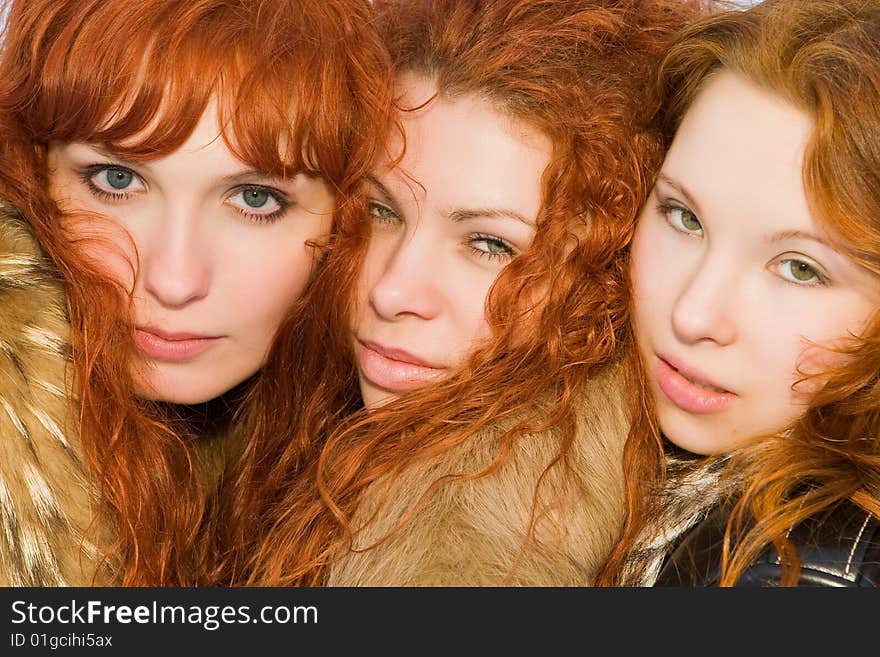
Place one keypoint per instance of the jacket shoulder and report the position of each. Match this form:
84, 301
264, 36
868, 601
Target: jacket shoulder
838, 549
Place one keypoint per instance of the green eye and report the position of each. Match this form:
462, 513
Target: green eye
491, 246
118, 178
262, 204
110, 182
681, 219
496, 246
255, 198
687, 219
802, 271
798, 271
382, 212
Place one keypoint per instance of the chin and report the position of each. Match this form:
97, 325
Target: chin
176, 396
374, 397
171, 389
683, 433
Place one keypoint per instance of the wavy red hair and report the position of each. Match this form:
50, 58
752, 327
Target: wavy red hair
302, 86
580, 72
820, 56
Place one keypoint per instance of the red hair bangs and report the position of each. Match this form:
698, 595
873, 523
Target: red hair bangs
138, 77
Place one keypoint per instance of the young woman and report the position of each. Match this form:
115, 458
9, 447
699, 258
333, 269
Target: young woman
483, 320
170, 171
755, 268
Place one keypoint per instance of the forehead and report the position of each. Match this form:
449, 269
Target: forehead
462, 147
740, 150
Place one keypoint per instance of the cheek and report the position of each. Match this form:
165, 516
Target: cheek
469, 312
262, 291
834, 328
476, 313
104, 243
651, 279
816, 363
100, 239
815, 360
792, 367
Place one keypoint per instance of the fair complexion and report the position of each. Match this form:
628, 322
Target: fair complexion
221, 250
460, 207
734, 276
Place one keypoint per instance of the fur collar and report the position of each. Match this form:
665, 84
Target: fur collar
51, 531
474, 532
45, 501
691, 491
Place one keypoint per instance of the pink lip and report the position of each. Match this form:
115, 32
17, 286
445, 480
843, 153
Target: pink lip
393, 369
684, 386
168, 346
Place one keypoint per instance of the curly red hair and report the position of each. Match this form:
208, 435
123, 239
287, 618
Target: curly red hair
580, 72
302, 86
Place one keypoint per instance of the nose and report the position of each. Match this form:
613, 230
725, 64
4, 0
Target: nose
409, 284
705, 308
175, 260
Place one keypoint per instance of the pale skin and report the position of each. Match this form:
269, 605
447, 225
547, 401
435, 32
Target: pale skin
221, 250
462, 204
734, 276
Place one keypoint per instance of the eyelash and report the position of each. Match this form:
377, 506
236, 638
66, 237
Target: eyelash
666, 209
820, 281
280, 197
483, 237
376, 207
88, 173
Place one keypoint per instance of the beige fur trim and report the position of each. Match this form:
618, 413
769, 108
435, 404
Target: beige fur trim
45, 500
475, 533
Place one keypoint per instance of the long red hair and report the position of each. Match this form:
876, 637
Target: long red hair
579, 71
302, 86
821, 57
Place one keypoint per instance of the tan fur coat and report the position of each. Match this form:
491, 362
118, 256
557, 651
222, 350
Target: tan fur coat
45, 501
475, 532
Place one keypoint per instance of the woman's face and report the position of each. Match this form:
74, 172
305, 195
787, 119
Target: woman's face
222, 253
462, 204
734, 277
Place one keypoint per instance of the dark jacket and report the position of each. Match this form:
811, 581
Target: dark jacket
839, 549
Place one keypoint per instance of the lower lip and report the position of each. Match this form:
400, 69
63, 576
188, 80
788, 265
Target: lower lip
687, 395
394, 375
171, 350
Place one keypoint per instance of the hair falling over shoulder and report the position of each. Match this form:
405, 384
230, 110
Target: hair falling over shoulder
821, 57
300, 86
579, 71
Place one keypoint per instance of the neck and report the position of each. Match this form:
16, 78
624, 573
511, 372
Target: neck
210, 417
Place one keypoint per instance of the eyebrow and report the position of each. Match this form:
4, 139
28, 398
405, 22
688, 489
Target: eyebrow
491, 213
250, 174
114, 156
681, 189
783, 235
463, 214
